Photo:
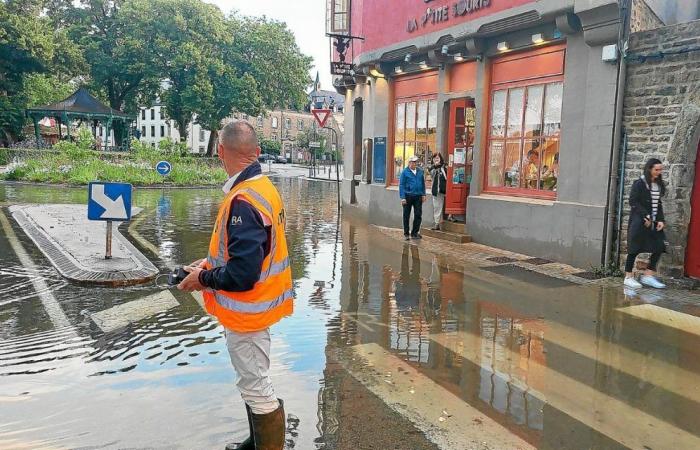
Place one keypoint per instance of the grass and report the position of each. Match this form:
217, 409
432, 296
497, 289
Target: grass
75, 164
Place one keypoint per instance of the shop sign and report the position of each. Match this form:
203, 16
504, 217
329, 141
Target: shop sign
379, 160
342, 68
440, 14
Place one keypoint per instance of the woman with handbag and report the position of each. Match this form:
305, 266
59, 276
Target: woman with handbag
645, 233
439, 188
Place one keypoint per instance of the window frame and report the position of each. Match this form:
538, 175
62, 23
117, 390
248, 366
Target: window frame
508, 86
392, 180
345, 13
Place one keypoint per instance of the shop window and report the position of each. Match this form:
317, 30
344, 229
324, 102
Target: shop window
415, 133
523, 148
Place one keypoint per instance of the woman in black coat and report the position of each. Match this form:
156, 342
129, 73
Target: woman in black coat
645, 233
438, 173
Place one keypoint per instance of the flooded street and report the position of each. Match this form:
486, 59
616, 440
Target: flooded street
391, 345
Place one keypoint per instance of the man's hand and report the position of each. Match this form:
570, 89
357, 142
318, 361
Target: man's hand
199, 263
647, 222
423, 198
191, 282
660, 226
403, 201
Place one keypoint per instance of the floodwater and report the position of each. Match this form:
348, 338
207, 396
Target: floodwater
390, 346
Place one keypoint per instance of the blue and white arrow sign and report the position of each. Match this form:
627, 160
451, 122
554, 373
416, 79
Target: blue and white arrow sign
164, 167
109, 201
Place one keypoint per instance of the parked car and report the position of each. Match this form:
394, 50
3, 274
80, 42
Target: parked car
264, 157
280, 159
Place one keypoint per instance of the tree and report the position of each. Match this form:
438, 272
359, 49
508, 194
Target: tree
265, 70
30, 43
117, 38
307, 136
270, 146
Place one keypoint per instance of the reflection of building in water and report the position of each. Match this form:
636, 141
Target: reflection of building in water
508, 344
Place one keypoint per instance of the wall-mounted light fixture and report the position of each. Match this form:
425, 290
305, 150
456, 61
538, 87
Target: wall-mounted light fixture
458, 57
502, 46
375, 72
398, 70
537, 38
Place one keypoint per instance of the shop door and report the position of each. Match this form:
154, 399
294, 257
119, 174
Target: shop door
460, 152
692, 257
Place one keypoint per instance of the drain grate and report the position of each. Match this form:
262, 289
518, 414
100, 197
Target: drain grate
536, 261
588, 275
528, 276
501, 259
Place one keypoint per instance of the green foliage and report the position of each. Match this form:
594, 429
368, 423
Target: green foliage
76, 166
30, 43
4, 157
610, 271
270, 146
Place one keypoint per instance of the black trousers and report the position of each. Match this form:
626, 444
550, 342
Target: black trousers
629, 264
412, 202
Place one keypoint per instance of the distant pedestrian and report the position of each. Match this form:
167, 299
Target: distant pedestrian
412, 193
645, 232
439, 188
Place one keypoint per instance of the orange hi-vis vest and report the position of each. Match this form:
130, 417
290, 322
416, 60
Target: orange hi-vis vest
271, 298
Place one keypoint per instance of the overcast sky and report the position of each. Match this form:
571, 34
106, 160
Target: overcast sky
306, 19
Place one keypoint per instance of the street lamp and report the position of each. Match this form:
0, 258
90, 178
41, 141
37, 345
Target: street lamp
337, 172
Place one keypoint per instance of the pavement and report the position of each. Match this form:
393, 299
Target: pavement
512, 264
75, 246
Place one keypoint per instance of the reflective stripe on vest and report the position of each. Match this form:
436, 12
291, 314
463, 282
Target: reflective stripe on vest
252, 308
274, 269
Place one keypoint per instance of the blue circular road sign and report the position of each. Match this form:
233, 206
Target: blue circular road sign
163, 167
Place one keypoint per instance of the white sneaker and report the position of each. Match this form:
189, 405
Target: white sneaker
651, 281
630, 282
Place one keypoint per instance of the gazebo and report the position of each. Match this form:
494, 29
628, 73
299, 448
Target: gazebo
81, 105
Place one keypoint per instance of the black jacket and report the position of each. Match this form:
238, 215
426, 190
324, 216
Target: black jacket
641, 239
439, 180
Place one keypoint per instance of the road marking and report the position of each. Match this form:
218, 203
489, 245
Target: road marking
658, 372
137, 236
422, 401
601, 412
53, 308
663, 316
122, 315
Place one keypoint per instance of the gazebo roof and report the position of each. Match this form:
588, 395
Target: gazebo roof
79, 104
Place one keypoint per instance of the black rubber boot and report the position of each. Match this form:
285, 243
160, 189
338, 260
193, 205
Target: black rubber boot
248, 444
268, 429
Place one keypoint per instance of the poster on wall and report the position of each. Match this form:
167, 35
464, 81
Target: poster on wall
379, 160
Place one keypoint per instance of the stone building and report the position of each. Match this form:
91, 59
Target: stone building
662, 120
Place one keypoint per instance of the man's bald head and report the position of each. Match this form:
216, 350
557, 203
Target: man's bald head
239, 137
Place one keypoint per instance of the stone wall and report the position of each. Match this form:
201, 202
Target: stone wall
661, 120
643, 17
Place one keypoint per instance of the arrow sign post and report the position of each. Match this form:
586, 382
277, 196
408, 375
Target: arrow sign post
109, 202
321, 116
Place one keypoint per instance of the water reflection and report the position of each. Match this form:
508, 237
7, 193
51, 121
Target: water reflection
163, 381
542, 366
557, 367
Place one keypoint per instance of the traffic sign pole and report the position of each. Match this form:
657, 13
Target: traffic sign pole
108, 244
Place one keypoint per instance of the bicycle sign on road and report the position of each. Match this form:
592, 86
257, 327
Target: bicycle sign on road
164, 167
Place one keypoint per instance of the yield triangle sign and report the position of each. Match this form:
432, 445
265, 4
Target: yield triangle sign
321, 116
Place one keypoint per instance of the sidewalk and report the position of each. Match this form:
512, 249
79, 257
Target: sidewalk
486, 257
